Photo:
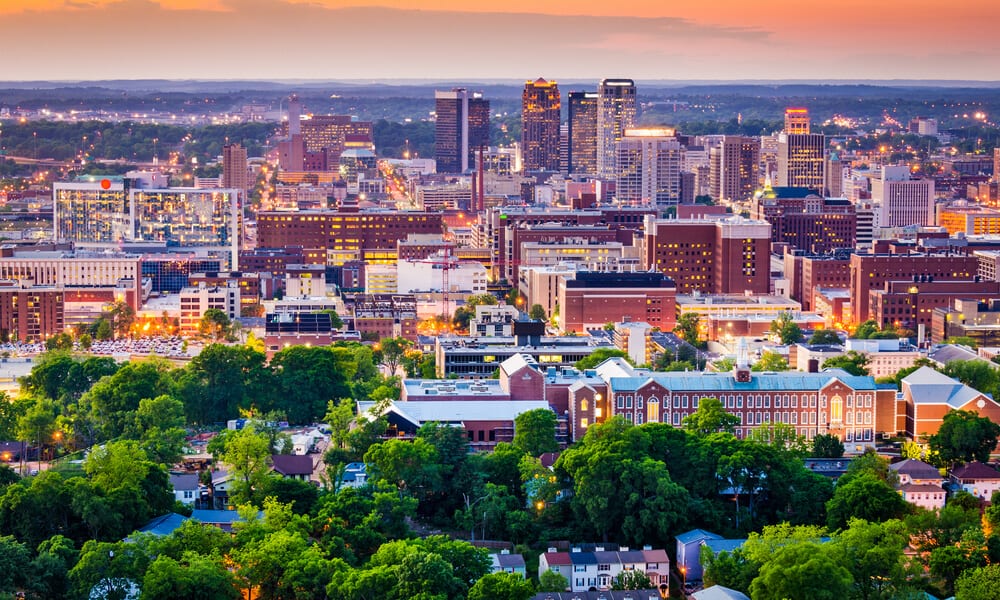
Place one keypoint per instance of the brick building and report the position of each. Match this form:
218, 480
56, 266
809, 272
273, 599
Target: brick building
806, 221
726, 256
909, 304
808, 272
592, 299
871, 272
30, 314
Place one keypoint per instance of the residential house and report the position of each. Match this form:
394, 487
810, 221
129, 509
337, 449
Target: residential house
223, 519
919, 483
928, 395
355, 475
596, 570
187, 488
602, 595
978, 479
505, 562
161, 526
689, 552
293, 466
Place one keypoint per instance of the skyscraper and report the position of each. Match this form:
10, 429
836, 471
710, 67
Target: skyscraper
903, 201
649, 166
734, 168
235, 173
540, 118
582, 118
616, 112
801, 155
462, 126
996, 164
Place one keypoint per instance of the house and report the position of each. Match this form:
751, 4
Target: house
978, 479
505, 562
186, 486
293, 466
595, 570
718, 592
604, 595
919, 483
928, 395
689, 552
223, 519
355, 475
162, 526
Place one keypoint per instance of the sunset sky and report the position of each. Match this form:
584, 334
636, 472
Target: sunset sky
447, 39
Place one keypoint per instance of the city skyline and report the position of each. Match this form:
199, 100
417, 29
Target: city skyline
727, 40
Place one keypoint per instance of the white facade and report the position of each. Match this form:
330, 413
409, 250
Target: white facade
196, 300
381, 279
648, 166
429, 275
903, 201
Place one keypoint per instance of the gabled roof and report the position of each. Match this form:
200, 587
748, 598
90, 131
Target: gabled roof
697, 535
975, 470
163, 525
928, 386
557, 558
718, 592
517, 362
509, 561
292, 464
916, 469
615, 367
583, 558
184, 481
725, 545
925, 488
656, 556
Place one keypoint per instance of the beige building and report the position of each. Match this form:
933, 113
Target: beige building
196, 300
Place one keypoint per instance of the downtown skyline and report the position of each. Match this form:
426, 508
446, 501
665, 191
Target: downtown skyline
726, 40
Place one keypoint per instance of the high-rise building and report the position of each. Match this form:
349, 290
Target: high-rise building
801, 154
797, 120
648, 169
616, 112
903, 201
462, 127
235, 172
540, 118
582, 117
328, 136
734, 168
996, 165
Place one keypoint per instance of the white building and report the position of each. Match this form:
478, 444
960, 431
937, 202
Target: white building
305, 281
648, 166
196, 300
903, 201
430, 274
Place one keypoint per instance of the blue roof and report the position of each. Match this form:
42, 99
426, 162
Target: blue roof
696, 535
582, 558
164, 525
717, 546
725, 382
216, 516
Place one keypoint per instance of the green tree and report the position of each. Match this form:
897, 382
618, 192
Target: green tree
14, 561
552, 581
825, 337
535, 431
980, 375
855, 363
215, 324
770, 361
194, 576
980, 583
307, 378
537, 312
803, 571
827, 445
391, 352
50, 568
864, 497
248, 455
873, 553
780, 435
910, 449
599, 356
711, 417
964, 436
786, 330
687, 328
866, 330
631, 580
502, 586
220, 381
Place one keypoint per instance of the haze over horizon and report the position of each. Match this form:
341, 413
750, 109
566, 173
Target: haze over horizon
725, 40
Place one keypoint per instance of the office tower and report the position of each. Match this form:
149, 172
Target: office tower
734, 168
903, 201
834, 176
797, 120
616, 112
235, 173
582, 119
294, 115
801, 155
462, 127
540, 118
996, 165
648, 163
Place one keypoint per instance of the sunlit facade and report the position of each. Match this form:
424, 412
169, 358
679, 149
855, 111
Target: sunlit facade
616, 112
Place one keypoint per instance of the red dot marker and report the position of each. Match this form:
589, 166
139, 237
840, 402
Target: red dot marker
105, 184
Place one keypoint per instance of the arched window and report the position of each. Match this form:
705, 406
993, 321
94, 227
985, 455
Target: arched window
836, 409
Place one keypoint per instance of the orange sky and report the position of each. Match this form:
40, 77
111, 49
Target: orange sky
644, 39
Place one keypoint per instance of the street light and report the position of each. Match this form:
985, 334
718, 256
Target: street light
683, 571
